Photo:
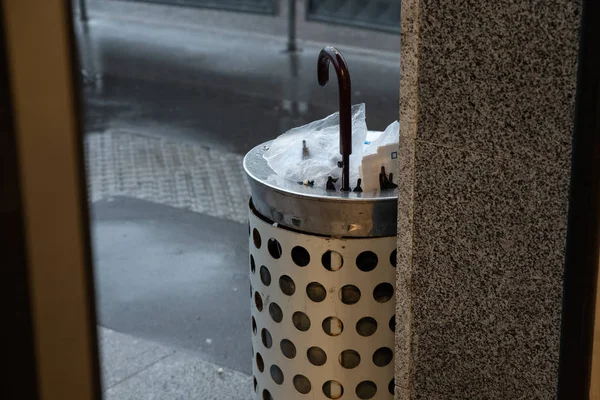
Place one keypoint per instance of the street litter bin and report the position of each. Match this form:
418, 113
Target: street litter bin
322, 274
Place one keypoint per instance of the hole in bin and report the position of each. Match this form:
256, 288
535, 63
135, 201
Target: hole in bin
274, 248
287, 348
275, 312
266, 338
252, 264
333, 326
349, 359
316, 356
301, 321
393, 258
258, 301
260, 364
383, 356
316, 292
383, 292
302, 384
333, 389
366, 261
287, 285
393, 324
265, 276
300, 256
366, 390
254, 328
349, 294
332, 260
366, 326
267, 395
276, 374
256, 238
392, 387
255, 384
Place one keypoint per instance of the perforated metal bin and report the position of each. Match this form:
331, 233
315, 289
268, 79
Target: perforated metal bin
322, 273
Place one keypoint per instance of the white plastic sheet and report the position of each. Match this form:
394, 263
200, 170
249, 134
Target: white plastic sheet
317, 158
288, 160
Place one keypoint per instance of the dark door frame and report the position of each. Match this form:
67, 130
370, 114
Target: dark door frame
581, 254
48, 344
17, 348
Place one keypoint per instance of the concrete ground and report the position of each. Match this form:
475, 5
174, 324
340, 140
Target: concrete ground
173, 100
175, 277
134, 369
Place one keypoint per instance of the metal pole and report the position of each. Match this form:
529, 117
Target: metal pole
83, 14
291, 45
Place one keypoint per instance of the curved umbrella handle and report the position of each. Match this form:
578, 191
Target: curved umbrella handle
331, 55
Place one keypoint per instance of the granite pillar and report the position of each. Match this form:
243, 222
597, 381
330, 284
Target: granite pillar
487, 100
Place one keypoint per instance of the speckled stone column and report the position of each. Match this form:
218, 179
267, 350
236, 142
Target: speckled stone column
487, 107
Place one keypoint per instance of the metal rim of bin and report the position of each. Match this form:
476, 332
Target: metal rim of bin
317, 210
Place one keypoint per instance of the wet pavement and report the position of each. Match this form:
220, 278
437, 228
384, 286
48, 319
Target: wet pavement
219, 89
174, 277
170, 110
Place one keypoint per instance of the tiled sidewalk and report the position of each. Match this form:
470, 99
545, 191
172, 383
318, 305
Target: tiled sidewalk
176, 174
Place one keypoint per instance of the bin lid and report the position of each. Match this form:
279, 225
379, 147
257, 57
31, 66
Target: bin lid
317, 210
